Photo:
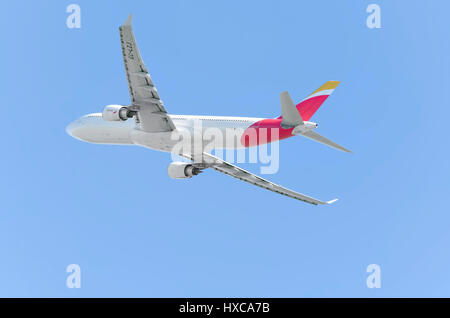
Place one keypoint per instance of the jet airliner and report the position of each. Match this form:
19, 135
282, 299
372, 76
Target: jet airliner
145, 122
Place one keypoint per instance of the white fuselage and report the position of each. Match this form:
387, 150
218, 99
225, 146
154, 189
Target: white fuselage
94, 129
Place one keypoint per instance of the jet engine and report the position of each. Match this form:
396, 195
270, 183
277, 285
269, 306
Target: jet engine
117, 113
181, 170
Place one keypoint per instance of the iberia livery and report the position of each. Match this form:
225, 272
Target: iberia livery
306, 109
145, 122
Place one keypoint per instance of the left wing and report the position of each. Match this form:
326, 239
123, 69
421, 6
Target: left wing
210, 161
144, 97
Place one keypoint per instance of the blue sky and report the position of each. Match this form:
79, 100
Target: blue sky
137, 233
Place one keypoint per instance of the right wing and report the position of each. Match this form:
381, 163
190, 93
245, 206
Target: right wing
213, 162
144, 97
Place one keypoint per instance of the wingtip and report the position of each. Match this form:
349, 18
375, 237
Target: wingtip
331, 201
128, 21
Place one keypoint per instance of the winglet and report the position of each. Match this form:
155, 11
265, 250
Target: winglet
128, 21
331, 201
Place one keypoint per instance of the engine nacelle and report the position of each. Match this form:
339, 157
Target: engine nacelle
115, 113
181, 170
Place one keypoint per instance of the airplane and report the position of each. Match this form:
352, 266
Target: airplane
145, 122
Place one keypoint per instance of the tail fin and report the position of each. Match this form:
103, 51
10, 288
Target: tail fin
311, 104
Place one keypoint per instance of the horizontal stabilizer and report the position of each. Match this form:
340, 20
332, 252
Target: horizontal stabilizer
290, 115
316, 137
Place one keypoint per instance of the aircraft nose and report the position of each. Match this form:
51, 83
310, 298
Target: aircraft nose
72, 129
